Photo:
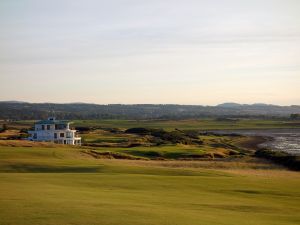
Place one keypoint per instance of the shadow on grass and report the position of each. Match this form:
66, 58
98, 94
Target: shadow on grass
26, 168
237, 208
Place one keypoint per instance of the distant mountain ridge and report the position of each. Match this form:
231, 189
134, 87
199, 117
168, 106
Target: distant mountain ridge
13, 101
229, 105
32, 111
234, 105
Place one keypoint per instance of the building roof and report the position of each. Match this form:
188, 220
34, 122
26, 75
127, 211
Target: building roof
53, 122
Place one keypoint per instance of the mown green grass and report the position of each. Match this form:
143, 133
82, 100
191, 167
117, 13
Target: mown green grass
64, 186
201, 124
165, 151
103, 137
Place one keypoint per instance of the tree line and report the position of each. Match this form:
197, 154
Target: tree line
31, 111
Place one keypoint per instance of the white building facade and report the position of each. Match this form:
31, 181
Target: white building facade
56, 131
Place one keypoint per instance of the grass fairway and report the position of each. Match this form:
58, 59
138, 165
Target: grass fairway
198, 124
64, 186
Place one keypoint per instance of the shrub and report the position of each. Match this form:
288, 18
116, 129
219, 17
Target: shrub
4, 128
138, 130
283, 158
174, 137
82, 129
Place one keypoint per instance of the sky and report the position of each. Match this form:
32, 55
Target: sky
202, 52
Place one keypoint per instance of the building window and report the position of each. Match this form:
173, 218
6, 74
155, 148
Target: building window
35, 136
55, 135
69, 134
60, 126
43, 127
48, 127
62, 135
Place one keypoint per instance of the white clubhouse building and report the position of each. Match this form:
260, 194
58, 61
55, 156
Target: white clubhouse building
56, 131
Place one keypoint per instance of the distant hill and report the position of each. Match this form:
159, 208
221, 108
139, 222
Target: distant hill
12, 102
237, 105
229, 105
30, 111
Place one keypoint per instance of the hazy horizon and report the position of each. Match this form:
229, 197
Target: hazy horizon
240, 103
160, 52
